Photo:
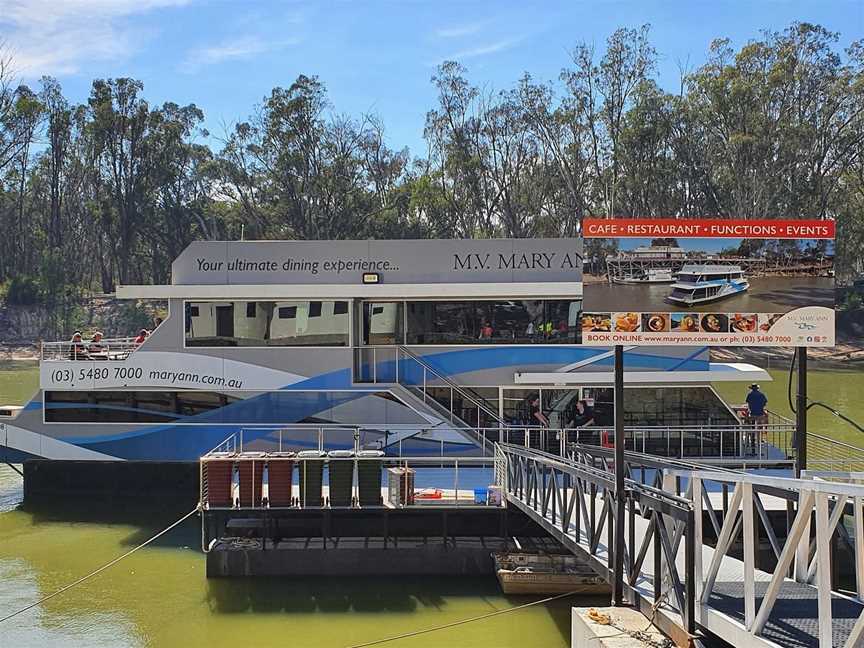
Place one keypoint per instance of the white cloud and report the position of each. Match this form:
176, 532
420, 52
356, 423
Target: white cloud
59, 36
236, 49
457, 31
481, 50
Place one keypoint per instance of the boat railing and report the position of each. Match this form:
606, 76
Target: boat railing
766, 442
113, 349
827, 454
248, 482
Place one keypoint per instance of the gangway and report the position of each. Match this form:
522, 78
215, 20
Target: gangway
679, 579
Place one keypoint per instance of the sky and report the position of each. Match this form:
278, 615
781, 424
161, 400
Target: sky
226, 55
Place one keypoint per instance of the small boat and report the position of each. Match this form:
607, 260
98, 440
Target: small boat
703, 283
651, 275
524, 573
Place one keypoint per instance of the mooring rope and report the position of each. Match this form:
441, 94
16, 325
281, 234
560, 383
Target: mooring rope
113, 562
458, 623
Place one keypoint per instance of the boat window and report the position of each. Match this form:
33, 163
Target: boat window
129, 407
382, 323
494, 322
269, 408
268, 323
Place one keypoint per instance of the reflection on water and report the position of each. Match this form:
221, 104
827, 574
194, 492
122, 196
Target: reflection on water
766, 295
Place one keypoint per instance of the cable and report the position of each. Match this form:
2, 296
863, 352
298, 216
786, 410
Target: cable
102, 568
812, 403
457, 623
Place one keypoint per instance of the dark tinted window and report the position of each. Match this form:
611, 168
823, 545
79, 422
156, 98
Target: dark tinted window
250, 309
129, 407
340, 308
494, 322
315, 309
287, 312
193, 311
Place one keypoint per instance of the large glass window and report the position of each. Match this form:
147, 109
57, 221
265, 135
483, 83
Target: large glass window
494, 322
382, 323
267, 323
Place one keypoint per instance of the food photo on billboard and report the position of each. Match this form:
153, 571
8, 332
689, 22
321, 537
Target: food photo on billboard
711, 282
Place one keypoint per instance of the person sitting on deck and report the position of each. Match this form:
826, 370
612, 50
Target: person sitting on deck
95, 346
142, 335
77, 350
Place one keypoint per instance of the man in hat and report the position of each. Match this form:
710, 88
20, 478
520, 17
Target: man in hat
756, 402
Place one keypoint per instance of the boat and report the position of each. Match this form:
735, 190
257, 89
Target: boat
527, 573
649, 275
413, 348
704, 283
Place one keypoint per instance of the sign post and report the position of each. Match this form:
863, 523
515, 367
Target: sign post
801, 413
620, 501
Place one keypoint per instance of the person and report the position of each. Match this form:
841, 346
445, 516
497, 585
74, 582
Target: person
77, 350
584, 415
486, 331
535, 414
156, 322
95, 345
142, 335
756, 402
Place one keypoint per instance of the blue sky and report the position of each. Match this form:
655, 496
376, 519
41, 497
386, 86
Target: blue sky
226, 55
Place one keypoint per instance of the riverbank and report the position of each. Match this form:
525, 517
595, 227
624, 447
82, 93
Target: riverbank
846, 354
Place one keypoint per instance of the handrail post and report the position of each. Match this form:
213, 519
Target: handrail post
620, 504
690, 582
801, 414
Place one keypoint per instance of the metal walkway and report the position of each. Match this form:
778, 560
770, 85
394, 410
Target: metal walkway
684, 584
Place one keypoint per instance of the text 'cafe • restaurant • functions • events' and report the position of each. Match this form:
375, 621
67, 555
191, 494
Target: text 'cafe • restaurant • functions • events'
711, 282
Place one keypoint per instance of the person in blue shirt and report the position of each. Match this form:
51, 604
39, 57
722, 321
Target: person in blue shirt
756, 402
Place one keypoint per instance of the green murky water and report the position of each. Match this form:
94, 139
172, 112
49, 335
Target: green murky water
160, 596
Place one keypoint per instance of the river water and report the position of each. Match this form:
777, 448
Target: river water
160, 596
765, 295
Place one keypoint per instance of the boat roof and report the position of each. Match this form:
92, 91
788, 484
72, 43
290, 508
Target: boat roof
397, 269
717, 372
707, 268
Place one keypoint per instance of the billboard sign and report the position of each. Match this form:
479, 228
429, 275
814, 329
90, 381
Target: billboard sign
708, 282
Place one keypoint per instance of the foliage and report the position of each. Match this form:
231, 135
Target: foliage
111, 190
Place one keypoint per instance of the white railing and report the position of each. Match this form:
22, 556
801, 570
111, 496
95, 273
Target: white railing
108, 349
812, 561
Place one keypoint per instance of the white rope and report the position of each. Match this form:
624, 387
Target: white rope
66, 588
457, 623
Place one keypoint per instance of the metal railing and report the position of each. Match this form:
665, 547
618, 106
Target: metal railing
726, 443
450, 489
427, 370
825, 453
564, 494
109, 349
809, 560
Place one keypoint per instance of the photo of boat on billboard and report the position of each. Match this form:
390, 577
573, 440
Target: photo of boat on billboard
729, 290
